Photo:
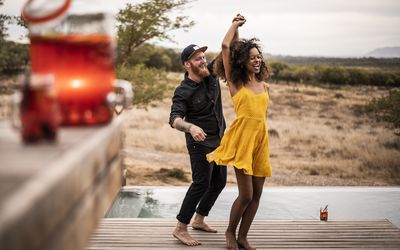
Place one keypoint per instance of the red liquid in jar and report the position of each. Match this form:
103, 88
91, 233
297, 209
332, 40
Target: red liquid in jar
83, 67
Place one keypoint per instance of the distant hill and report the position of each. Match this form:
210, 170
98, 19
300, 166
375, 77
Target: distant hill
386, 52
368, 61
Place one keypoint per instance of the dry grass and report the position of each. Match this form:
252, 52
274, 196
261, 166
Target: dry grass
315, 138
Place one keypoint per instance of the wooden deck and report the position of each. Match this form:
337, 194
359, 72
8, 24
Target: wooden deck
264, 234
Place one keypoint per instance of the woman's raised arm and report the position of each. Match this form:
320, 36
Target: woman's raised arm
231, 36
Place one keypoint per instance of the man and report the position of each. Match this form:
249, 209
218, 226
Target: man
197, 110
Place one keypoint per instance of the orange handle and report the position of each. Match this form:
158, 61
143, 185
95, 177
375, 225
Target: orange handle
54, 14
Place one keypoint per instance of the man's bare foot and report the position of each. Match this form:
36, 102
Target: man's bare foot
183, 235
243, 243
199, 224
231, 243
203, 227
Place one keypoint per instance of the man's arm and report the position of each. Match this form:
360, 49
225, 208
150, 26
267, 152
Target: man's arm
182, 125
178, 112
196, 132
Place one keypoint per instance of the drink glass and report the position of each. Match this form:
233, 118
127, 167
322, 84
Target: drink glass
35, 109
323, 215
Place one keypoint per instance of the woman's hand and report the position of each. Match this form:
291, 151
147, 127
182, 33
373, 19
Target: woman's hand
239, 19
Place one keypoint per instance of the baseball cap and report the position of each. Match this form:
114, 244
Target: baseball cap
190, 50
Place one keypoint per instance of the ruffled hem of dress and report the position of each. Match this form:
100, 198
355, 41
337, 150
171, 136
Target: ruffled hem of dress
244, 171
210, 158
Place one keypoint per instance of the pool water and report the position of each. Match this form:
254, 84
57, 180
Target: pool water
277, 203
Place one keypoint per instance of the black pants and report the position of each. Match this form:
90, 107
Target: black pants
208, 180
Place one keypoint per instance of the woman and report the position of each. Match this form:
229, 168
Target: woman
245, 144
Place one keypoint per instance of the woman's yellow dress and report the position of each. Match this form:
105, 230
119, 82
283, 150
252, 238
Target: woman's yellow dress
245, 144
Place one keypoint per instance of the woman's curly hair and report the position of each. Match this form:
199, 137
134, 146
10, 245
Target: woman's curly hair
240, 55
218, 67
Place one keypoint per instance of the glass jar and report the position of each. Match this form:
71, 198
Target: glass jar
73, 40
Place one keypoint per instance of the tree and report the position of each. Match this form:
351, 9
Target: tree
151, 19
137, 25
13, 56
4, 19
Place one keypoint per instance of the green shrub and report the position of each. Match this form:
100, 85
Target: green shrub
387, 108
153, 57
304, 74
357, 76
277, 67
13, 57
332, 74
148, 84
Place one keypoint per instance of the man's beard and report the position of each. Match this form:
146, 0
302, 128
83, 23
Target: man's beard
202, 72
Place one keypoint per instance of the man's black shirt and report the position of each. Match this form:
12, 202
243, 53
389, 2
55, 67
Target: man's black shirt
200, 104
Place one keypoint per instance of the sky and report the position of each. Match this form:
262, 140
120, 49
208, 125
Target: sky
338, 28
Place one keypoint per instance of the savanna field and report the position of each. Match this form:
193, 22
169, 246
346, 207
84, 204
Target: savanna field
317, 134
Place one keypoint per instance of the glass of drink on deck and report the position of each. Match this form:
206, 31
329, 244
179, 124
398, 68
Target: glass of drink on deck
323, 213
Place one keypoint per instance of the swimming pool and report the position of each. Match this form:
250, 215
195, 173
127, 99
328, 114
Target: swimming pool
277, 203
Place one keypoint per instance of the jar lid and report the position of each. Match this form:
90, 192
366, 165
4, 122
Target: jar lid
38, 11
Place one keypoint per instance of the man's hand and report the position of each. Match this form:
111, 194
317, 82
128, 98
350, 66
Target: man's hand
197, 133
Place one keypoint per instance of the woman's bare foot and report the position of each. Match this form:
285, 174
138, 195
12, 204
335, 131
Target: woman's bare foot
183, 235
243, 243
231, 243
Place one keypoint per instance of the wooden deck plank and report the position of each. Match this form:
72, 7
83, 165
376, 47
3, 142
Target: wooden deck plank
139, 233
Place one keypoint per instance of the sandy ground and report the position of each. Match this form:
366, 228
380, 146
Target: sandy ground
316, 137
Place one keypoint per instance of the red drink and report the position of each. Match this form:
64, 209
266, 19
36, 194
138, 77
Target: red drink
323, 215
83, 67
40, 116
